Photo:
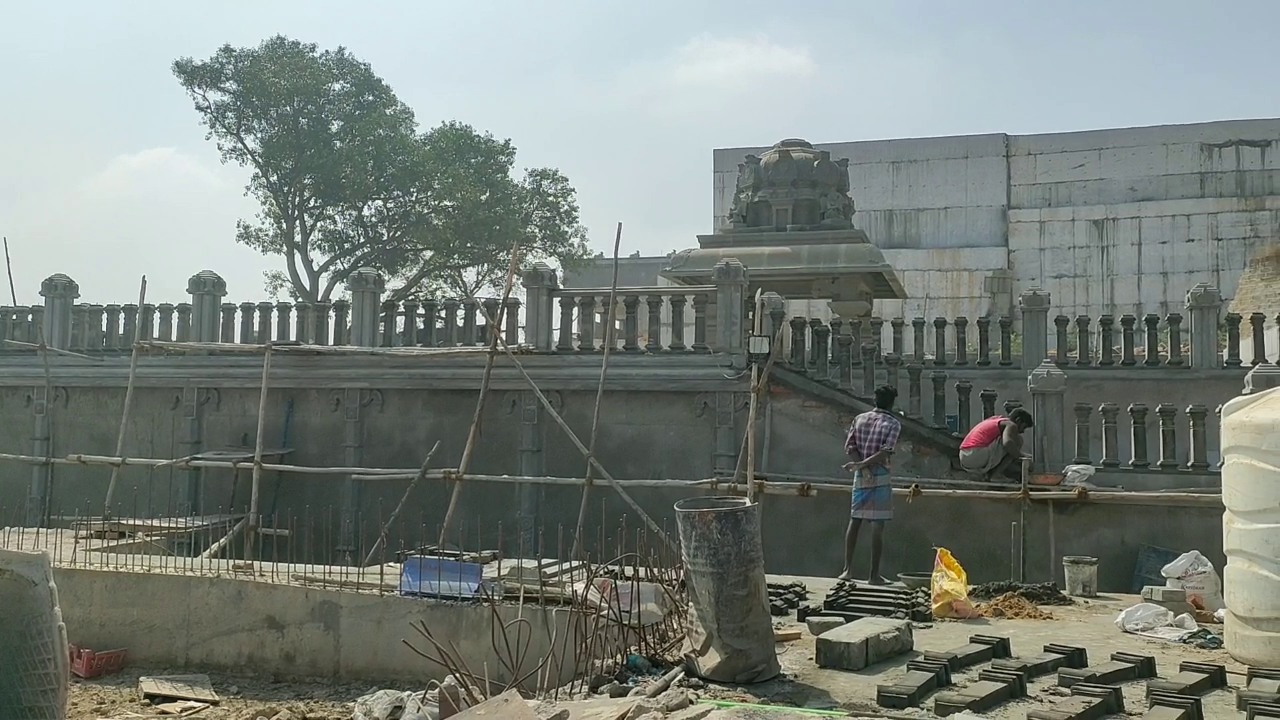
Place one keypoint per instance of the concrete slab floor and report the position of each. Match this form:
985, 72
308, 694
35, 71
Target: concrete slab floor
1089, 623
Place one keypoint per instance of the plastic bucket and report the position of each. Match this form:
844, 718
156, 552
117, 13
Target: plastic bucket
1080, 575
728, 623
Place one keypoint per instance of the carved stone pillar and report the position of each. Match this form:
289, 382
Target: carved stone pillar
939, 380
1006, 341
1174, 321
914, 371
1084, 455
1168, 415
988, 399
984, 341
868, 369
1233, 340
1110, 434
1048, 387
207, 289
1127, 357
730, 279
939, 341
59, 293
1106, 330
1197, 415
1138, 418
1151, 321
1204, 307
964, 389
366, 286
1084, 354
917, 339
1034, 304
1062, 346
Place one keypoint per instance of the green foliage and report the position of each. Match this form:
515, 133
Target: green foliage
345, 180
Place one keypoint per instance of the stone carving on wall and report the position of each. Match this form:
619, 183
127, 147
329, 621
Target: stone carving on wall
369, 398
792, 186
512, 400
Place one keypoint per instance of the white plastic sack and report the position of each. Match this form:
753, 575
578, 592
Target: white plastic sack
1151, 620
1078, 476
1193, 572
634, 604
394, 705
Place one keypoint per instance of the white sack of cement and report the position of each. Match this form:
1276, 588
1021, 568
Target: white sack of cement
1194, 573
1154, 621
34, 659
395, 705
636, 604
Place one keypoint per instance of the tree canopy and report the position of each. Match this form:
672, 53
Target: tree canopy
345, 179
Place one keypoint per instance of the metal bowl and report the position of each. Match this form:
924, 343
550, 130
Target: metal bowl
915, 581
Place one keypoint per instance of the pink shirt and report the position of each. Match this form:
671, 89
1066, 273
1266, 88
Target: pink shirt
984, 433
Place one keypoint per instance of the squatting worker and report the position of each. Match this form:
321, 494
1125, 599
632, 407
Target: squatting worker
994, 444
869, 446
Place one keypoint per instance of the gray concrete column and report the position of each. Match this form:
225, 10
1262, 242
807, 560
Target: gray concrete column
730, 278
540, 284
59, 293
366, 286
207, 289
1034, 304
1204, 306
37, 510
187, 491
1048, 387
353, 403
532, 464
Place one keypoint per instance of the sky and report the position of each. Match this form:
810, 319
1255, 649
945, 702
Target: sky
106, 175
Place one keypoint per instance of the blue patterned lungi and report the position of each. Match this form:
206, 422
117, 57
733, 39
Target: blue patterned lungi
872, 494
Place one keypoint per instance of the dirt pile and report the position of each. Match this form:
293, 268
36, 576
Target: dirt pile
1035, 593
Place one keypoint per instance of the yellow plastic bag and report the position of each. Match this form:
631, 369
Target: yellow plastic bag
950, 588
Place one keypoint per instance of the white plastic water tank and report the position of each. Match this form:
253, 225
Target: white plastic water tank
1251, 527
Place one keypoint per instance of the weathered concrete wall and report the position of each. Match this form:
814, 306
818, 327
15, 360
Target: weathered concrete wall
288, 631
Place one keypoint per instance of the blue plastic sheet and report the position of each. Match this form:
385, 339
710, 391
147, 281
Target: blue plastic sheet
437, 577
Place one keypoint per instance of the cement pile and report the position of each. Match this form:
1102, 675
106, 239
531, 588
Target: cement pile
34, 660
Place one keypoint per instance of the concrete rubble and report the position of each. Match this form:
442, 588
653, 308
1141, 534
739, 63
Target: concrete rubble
862, 643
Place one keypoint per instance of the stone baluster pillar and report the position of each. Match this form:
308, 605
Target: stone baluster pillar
700, 302
1197, 421
962, 340
409, 313
586, 323
814, 324
302, 322
1151, 322
984, 341
491, 307
112, 312
1010, 406
1204, 308
1062, 346
1174, 320
387, 319
540, 285
988, 399
1084, 455
284, 321
964, 390
1048, 387
896, 327
777, 315
1138, 418
844, 359
341, 322
939, 341
365, 286
511, 319
1106, 329
631, 323
1110, 434
1034, 304
892, 369
1256, 322
321, 314
917, 340
471, 307
799, 328
868, 369
183, 332
939, 380
247, 324
855, 332
1084, 353
449, 328
166, 320
228, 331
429, 316
207, 289
730, 279
914, 371
1127, 342
568, 304
147, 322
265, 310
59, 293
653, 314
1233, 340
821, 349
129, 312
79, 327
1006, 341
1168, 415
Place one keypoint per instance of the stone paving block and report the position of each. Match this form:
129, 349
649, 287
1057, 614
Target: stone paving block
981, 648
1162, 594
994, 687
1087, 702
1170, 706
1123, 667
864, 642
1261, 685
1192, 678
821, 623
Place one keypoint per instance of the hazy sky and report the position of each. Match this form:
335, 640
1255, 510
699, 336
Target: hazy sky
105, 173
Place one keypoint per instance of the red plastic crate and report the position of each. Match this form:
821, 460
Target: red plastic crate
88, 664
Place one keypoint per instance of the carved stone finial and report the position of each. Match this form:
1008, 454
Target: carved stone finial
207, 282
729, 270
366, 279
1047, 378
59, 286
792, 186
1033, 299
540, 275
1204, 295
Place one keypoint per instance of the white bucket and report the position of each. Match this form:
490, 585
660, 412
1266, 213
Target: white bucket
1081, 575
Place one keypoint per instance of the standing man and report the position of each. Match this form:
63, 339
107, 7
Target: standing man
993, 444
869, 446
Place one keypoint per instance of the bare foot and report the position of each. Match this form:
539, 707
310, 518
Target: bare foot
877, 581
845, 576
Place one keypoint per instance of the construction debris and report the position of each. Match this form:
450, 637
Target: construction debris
783, 598
1036, 593
178, 687
1013, 607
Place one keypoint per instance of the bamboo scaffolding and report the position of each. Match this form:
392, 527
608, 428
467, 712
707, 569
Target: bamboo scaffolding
609, 340
386, 527
56, 351
573, 437
754, 402
300, 349
193, 461
491, 356
128, 403
251, 529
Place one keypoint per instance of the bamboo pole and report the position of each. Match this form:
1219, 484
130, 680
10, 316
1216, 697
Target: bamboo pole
251, 530
751, 409
216, 548
609, 341
386, 527
190, 461
56, 351
473, 434
573, 437
128, 403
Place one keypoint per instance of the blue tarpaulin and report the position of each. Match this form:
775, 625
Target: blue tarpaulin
438, 577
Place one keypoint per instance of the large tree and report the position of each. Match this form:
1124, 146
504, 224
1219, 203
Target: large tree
345, 180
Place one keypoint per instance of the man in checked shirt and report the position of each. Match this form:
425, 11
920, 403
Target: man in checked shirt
870, 447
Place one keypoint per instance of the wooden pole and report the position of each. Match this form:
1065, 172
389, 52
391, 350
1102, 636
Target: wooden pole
216, 548
495, 336
128, 403
609, 341
573, 437
8, 265
386, 527
251, 529
751, 410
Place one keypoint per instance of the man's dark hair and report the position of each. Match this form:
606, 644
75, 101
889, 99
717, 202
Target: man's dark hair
885, 395
1022, 418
